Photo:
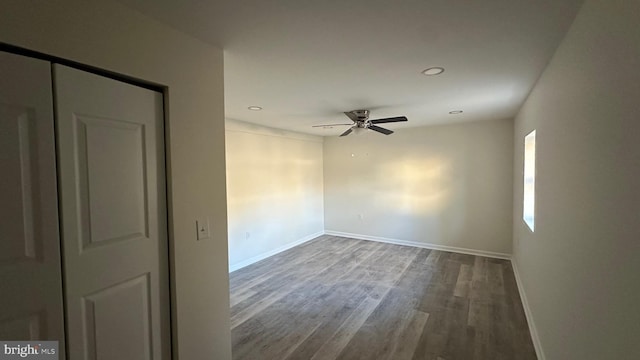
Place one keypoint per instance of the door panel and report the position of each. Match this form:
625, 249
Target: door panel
103, 315
18, 149
30, 270
112, 195
110, 157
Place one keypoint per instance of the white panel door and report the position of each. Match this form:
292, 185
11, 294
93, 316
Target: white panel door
112, 195
30, 280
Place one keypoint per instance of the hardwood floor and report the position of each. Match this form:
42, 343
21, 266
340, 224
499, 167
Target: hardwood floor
339, 298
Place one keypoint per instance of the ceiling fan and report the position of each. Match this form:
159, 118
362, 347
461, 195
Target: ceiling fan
361, 122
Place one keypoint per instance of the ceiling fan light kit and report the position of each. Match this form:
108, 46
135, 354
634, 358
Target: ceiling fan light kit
361, 122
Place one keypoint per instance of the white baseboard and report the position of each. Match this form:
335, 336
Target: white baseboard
421, 245
265, 255
527, 312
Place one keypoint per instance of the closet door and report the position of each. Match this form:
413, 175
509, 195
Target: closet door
30, 280
112, 196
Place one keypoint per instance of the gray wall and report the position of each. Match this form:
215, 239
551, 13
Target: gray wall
445, 185
581, 268
108, 35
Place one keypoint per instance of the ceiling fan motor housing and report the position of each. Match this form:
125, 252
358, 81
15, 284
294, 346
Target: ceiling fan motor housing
361, 114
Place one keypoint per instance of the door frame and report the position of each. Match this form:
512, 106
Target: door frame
162, 89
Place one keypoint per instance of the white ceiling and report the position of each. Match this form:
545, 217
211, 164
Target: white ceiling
305, 62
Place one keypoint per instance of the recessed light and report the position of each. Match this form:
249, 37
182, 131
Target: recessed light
433, 71
254, 108
455, 112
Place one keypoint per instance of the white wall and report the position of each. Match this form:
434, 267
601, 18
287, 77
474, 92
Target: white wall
274, 190
108, 35
581, 268
443, 185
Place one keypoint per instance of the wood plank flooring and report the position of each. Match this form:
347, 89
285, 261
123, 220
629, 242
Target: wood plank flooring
339, 298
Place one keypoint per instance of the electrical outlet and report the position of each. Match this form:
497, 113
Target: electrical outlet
202, 229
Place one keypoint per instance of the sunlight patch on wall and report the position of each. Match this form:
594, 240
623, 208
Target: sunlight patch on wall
274, 191
415, 186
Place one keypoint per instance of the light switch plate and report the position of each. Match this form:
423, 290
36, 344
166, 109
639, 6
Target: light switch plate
202, 229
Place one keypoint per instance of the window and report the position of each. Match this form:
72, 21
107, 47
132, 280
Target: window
528, 208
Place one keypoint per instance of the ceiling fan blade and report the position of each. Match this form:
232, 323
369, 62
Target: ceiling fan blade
351, 116
330, 125
380, 130
389, 120
347, 132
